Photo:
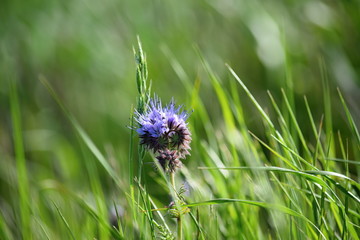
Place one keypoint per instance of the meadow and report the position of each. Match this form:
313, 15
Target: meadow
271, 90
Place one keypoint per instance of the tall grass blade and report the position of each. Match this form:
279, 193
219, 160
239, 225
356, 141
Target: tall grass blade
351, 121
22, 176
252, 98
266, 205
54, 185
296, 124
327, 104
5, 232
64, 221
309, 175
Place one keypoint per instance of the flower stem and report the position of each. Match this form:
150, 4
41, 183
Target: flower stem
172, 180
179, 222
179, 228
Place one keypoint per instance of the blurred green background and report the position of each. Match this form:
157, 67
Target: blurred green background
84, 48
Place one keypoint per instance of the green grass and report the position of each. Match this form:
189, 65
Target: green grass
23, 203
276, 145
308, 197
254, 196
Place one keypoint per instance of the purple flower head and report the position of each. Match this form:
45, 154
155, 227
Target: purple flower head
164, 130
169, 160
179, 134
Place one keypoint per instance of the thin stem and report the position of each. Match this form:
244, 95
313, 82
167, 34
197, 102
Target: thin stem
179, 228
172, 180
179, 222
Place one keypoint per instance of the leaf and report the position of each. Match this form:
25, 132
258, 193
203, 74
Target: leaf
270, 206
309, 175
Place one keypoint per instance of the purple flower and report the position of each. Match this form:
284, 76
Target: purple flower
164, 130
169, 160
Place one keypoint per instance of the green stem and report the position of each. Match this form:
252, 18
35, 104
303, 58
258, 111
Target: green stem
179, 222
179, 228
172, 180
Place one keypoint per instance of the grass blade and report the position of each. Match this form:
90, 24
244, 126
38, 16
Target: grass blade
257, 105
309, 175
22, 178
64, 221
88, 142
270, 206
350, 119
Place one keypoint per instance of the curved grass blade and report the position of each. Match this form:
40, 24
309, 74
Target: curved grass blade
353, 182
21, 170
54, 185
225, 106
301, 159
289, 163
296, 124
4, 229
148, 211
270, 206
309, 175
343, 160
257, 105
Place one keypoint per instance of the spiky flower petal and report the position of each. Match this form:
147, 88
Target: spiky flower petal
164, 130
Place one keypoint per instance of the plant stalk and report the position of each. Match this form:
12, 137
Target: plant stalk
179, 227
172, 180
179, 222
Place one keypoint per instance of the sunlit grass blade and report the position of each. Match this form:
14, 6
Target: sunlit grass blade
146, 212
149, 215
199, 228
344, 154
193, 90
5, 232
118, 221
22, 176
150, 201
328, 199
115, 234
222, 96
285, 160
270, 206
344, 161
42, 226
296, 124
327, 104
350, 119
272, 169
225, 107
131, 147
64, 221
252, 98
309, 175
284, 125
56, 186
316, 132
298, 157
97, 191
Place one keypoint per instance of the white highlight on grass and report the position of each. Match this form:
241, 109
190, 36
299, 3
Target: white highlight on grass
343, 71
267, 35
318, 13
